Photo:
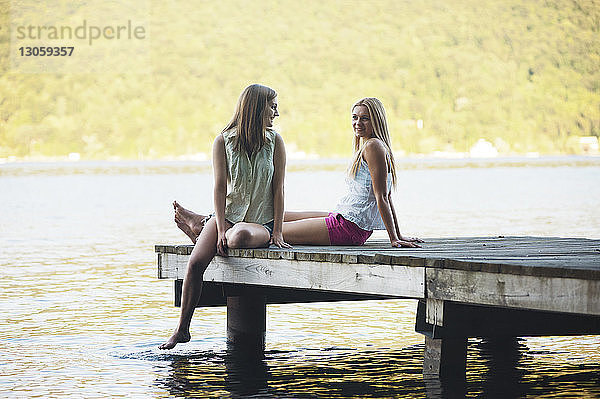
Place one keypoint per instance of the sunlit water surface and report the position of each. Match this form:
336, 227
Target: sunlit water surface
82, 312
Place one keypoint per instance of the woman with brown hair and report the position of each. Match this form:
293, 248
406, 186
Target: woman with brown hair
249, 168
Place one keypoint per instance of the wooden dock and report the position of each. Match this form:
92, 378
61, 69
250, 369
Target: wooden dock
466, 287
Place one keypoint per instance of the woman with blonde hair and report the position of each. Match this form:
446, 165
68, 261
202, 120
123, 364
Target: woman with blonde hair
368, 204
249, 169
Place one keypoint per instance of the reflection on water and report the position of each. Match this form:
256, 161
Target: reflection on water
495, 370
328, 372
512, 369
81, 310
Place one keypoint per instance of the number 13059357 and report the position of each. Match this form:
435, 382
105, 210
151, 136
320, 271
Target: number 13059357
46, 51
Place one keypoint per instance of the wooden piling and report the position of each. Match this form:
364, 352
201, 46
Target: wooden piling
446, 357
246, 322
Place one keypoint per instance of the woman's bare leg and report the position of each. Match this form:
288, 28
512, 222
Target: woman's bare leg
192, 223
291, 216
312, 231
241, 235
189, 222
203, 252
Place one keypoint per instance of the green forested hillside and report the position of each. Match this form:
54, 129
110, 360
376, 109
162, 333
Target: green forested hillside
524, 75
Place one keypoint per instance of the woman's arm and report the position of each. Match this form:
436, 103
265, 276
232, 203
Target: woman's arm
397, 226
400, 236
279, 159
375, 156
220, 192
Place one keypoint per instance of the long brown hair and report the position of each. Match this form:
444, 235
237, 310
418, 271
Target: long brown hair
380, 131
249, 118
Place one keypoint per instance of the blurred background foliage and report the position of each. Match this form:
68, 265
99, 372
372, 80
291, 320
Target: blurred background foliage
523, 75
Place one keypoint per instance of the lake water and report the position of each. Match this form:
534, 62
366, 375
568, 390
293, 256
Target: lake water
82, 312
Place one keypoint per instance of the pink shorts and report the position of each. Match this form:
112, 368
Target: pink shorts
344, 232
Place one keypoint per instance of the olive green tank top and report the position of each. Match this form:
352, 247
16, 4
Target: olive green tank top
249, 181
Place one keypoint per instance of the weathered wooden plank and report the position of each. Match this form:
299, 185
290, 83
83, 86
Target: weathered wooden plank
525, 244
234, 252
325, 257
455, 319
161, 248
407, 261
554, 294
350, 258
542, 245
364, 258
303, 256
530, 267
383, 259
395, 281
533, 256
536, 267
183, 249
172, 266
486, 251
281, 254
261, 253
246, 253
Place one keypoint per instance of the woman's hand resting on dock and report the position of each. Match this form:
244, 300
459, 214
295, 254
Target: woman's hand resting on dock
407, 242
277, 239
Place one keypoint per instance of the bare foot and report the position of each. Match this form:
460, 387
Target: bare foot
177, 337
189, 222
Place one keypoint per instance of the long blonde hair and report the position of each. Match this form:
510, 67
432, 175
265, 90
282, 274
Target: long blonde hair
380, 131
249, 118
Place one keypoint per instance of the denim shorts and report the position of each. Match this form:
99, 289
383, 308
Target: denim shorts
269, 227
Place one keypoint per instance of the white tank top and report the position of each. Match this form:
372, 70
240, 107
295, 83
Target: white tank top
359, 205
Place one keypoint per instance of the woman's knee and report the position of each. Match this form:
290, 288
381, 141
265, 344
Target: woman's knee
239, 237
197, 265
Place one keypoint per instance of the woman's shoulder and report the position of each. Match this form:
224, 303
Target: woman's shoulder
220, 139
273, 138
374, 148
271, 134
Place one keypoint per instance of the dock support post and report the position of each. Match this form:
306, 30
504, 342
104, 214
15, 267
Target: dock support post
445, 357
246, 323
445, 354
